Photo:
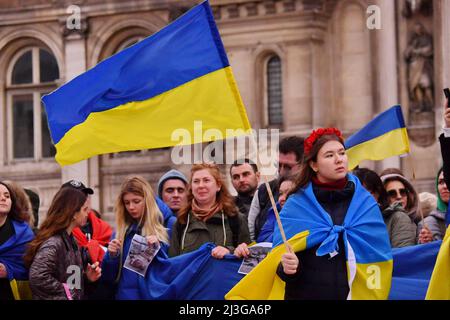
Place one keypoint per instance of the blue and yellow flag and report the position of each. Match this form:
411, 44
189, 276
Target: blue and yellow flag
11, 256
137, 98
307, 224
439, 287
383, 137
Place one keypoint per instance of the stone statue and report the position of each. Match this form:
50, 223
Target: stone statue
413, 7
419, 59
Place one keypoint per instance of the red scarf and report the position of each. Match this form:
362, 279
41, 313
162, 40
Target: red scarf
101, 234
336, 185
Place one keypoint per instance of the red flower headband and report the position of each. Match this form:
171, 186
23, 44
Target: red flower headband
316, 134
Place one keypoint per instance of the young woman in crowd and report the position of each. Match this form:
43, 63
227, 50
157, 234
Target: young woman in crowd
15, 234
400, 190
137, 212
337, 211
402, 231
57, 271
433, 226
22, 201
210, 216
266, 234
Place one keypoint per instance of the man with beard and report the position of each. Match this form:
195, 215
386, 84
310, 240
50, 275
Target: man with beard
245, 179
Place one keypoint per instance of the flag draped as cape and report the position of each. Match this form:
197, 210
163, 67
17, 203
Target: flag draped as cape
307, 224
11, 255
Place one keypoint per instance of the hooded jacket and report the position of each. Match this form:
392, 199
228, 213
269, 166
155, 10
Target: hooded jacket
402, 231
414, 212
436, 219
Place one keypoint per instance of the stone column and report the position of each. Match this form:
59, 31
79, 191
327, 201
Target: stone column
75, 57
387, 67
297, 97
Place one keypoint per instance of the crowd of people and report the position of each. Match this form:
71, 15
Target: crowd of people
185, 213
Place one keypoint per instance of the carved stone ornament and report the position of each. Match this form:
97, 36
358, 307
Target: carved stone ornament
419, 60
416, 7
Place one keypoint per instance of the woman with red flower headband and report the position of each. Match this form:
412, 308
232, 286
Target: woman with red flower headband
325, 190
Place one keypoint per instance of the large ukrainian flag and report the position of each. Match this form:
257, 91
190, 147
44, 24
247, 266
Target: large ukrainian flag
383, 137
307, 225
137, 98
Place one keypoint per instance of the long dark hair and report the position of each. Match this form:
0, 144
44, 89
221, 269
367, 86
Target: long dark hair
65, 204
307, 173
373, 183
15, 213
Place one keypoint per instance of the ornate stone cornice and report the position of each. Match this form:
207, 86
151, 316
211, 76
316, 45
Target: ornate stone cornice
241, 9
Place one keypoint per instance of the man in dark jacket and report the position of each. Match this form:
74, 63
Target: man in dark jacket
245, 178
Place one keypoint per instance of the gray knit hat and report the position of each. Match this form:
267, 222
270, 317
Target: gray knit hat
172, 174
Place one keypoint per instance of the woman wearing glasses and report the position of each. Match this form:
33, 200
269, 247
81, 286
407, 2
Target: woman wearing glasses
399, 189
402, 231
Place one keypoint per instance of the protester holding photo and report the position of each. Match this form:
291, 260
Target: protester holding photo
137, 213
210, 216
54, 258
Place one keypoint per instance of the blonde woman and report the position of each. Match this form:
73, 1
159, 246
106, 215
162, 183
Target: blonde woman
137, 212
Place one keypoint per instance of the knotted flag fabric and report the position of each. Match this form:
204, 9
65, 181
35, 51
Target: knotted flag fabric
101, 234
11, 256
383, 137
307, 224
139, 97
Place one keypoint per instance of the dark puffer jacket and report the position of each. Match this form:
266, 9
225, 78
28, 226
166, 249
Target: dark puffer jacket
50, 269
322, 278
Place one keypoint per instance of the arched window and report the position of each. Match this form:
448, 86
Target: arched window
274, 92
33, 72
129, 42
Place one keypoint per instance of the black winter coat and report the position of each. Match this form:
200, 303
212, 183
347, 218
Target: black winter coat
445, 150
322, 278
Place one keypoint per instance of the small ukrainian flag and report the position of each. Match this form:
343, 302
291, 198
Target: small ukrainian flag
383, 137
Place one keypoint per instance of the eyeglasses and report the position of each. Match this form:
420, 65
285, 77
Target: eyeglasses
395, 192
285, 166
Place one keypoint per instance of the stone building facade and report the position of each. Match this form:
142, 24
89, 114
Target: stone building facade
299, 64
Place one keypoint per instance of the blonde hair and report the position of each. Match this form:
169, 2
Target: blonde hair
151, 222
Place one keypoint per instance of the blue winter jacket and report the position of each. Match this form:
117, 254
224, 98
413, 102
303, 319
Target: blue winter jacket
266, 233
128, 287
